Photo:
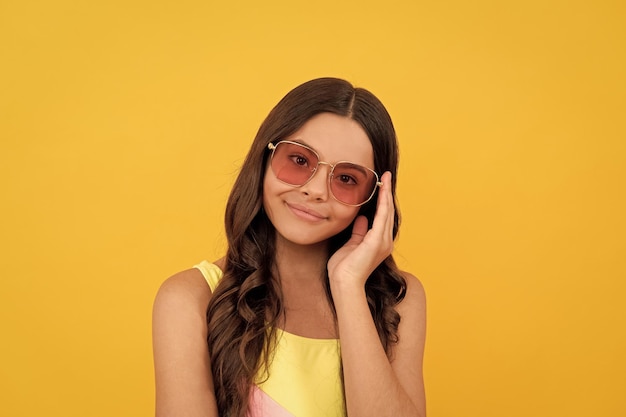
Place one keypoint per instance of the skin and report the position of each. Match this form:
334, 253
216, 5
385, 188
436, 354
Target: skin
374, 386
335, 138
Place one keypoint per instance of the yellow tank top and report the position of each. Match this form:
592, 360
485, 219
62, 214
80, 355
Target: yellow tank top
304, 375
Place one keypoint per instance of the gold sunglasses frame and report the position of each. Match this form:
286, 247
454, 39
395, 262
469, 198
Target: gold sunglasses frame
272, 146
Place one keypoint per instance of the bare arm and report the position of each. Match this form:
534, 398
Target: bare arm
184, 385
375, 386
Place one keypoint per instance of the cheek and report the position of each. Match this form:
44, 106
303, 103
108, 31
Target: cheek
271, 186
272, 194
346, 215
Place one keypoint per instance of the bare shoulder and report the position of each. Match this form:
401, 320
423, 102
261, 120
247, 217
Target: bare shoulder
187, 286
184, 293
412, 310
415, 297
180, 307
179, 340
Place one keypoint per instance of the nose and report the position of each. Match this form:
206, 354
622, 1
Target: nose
317, 187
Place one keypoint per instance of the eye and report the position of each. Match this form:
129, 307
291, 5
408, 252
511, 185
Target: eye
346, 179
299, 160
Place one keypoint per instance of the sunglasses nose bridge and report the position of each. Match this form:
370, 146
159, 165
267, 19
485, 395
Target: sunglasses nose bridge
317, 169
331, 166
329, 173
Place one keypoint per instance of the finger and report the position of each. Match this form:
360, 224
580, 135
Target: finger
359, 229
382, 227
390, 203
384, 205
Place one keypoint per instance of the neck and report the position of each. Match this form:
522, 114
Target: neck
301, 263
302, 274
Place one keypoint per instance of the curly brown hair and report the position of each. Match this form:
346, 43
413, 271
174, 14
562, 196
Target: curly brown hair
247, 303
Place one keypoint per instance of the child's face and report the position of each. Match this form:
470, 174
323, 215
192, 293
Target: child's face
308, 214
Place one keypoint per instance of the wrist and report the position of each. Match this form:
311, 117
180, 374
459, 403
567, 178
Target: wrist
349, 288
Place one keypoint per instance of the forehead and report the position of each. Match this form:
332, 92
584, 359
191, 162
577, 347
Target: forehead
336, 138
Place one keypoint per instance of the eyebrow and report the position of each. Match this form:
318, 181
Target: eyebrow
301, 142
356, 166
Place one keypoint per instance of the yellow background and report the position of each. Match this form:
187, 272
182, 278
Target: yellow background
123, 123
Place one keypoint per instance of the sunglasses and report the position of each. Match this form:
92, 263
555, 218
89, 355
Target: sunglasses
295, 164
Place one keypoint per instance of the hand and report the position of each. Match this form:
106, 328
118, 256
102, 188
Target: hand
356, 260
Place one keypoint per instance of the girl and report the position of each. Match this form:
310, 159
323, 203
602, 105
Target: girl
307, 315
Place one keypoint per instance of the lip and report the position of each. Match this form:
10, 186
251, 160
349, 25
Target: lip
305, 213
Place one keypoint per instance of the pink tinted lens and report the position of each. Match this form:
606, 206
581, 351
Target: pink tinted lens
293, 164
352, 184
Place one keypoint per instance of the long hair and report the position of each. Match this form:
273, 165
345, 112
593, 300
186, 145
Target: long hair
247, 303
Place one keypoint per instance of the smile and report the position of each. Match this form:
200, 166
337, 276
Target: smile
305, 213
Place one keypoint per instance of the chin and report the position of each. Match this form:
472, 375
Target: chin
302, 239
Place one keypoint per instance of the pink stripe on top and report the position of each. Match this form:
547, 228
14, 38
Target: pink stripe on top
262, 405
